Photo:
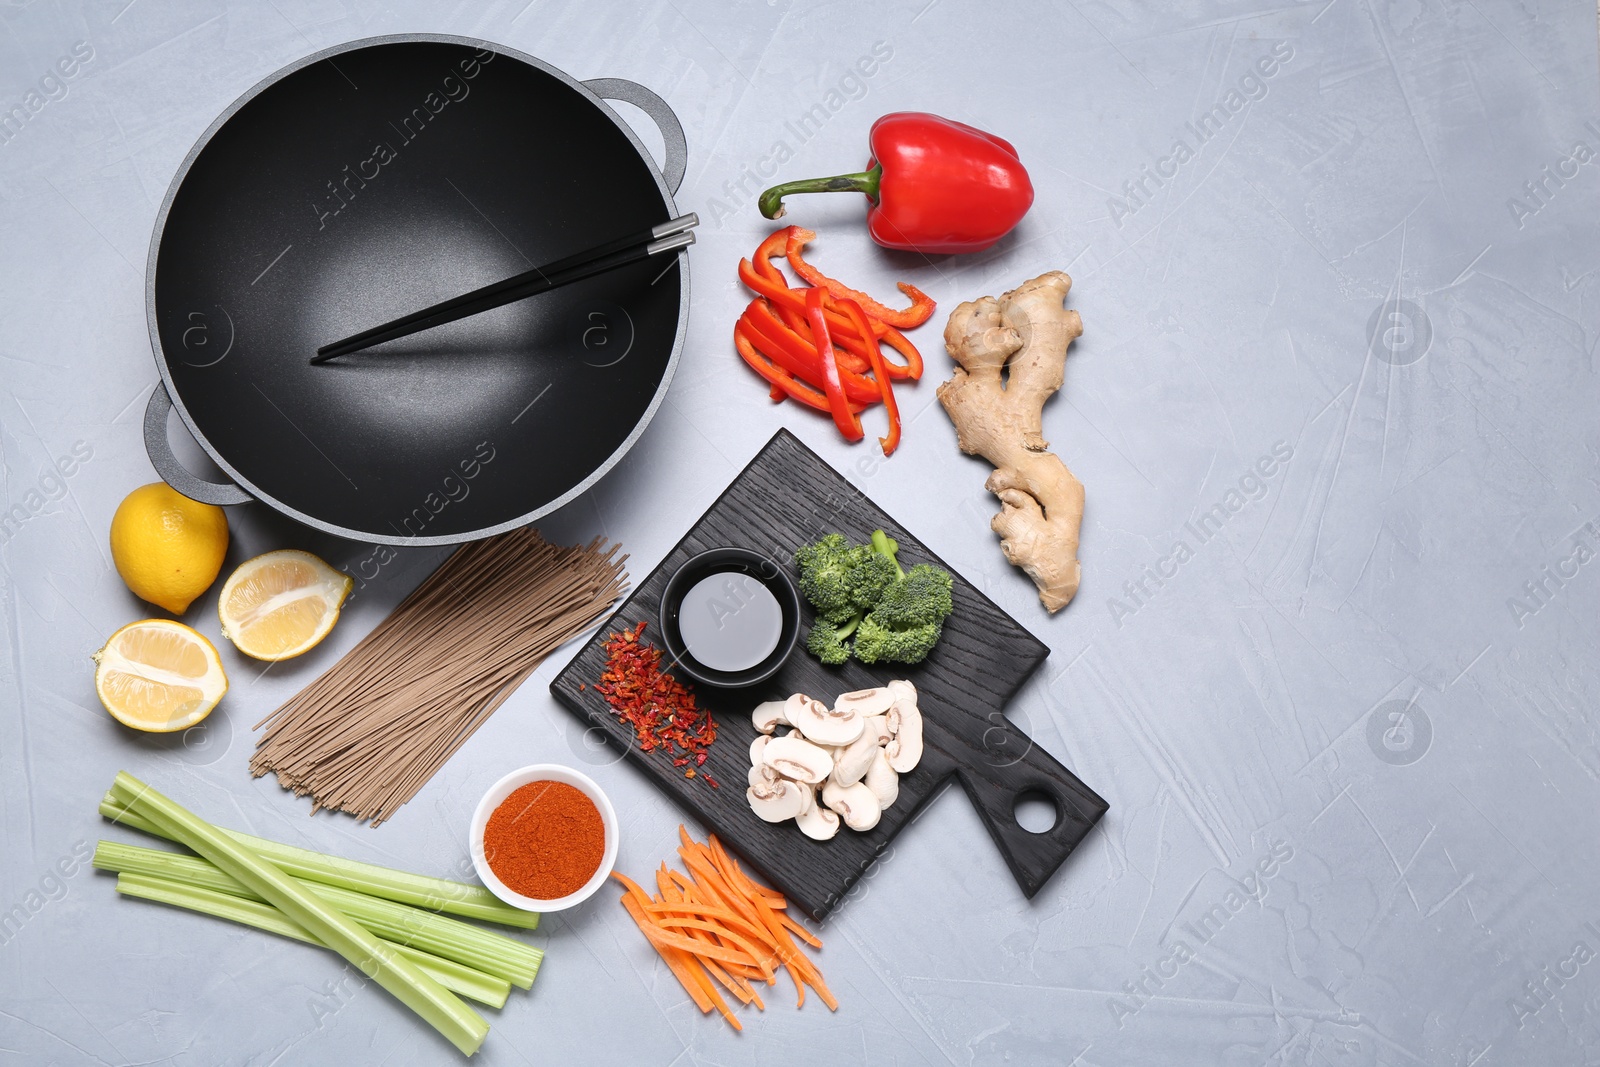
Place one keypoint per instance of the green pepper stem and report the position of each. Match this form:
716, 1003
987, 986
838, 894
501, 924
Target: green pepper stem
771, 201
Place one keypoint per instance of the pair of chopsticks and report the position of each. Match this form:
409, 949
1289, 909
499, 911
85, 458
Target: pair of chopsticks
668, 237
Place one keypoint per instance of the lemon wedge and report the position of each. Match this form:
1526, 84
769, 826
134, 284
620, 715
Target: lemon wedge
159, 676
281, 604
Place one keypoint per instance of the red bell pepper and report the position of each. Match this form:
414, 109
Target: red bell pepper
934, 185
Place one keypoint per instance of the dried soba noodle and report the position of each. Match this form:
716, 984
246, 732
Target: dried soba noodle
371, 731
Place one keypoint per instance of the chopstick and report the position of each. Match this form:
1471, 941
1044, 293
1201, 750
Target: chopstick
669, 236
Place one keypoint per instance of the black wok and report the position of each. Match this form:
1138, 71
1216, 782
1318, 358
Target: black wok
368, 181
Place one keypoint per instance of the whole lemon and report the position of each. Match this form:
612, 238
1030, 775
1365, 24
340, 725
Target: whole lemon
167, 547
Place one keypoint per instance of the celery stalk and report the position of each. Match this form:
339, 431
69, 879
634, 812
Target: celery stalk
431, 894
441, 1009
456, 977
482, 950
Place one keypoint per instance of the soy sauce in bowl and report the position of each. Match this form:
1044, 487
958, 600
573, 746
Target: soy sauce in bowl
730, 617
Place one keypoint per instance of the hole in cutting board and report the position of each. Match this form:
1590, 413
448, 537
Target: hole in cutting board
1036, 811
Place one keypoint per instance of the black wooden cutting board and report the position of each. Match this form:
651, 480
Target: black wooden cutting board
785, 498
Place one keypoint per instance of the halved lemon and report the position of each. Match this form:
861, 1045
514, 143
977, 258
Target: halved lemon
281, 604
159, 676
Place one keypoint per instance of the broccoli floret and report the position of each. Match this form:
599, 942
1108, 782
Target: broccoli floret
843, 581
872, 575
826, 642
909, 620
876, 642
861, 591
921, 598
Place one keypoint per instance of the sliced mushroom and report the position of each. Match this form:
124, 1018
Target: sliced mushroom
768, 716
876, 726
824, 725
761, 773
810, 803
777, 800
756, 746
905, 741
868, 701
792, 706
794, 757
882, 779
851, 761
903, 690
819, 823
856, 804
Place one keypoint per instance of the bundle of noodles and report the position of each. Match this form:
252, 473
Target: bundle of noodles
368, 733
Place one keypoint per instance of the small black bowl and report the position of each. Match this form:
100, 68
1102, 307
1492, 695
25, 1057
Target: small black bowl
738, 561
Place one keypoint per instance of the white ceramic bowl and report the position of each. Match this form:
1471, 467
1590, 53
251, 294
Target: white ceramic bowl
550, 772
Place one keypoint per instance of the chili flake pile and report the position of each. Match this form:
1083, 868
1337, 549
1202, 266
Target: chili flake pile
660, 708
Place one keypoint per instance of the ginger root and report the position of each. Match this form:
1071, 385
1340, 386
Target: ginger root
1024, 334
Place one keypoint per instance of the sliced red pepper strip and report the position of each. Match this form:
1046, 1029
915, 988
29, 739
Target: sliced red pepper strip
849, 343
853, 368
775, 288
763, 278
922, 304
784, 299
790, 304
849, 425
902, 344
799, 357
886, 387
850, 350
775, 246
781, 380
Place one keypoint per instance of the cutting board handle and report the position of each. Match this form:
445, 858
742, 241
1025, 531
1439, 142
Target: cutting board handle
1005, 767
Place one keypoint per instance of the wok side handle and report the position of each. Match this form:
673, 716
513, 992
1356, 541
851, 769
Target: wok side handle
166, 462
660, 112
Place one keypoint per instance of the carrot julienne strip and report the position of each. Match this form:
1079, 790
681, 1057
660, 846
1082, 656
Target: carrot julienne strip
718, 930
794, 959
689, 909
800, 931
674, 960
736, 874
742, 944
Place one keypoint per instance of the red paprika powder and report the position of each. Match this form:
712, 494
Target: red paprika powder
545, 840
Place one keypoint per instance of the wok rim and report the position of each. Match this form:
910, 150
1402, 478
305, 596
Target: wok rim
163, 362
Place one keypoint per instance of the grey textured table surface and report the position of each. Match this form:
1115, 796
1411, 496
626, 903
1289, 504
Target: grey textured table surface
1349, 741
